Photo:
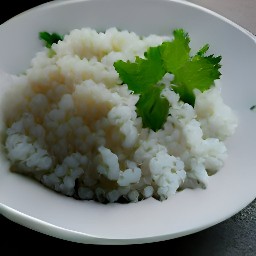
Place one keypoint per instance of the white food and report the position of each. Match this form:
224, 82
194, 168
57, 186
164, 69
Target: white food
72, 125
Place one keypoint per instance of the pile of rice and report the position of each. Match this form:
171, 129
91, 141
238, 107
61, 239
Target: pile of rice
73, 126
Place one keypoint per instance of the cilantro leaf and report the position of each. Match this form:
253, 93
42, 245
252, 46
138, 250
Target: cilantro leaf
144, 72
153, 108
190, 72
199, 73
50, 39
203, 50
175, 53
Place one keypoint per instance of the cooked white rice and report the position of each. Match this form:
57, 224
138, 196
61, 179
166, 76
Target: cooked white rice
73, 126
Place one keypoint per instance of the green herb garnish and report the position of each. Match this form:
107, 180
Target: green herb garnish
143, 73
190, 72
49, 38
253, 108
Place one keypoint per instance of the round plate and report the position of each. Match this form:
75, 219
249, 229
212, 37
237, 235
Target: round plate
230, 190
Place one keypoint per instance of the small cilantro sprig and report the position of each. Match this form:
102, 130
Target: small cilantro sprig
152, 104
50, 38
190, 72
142, 77
253, 108
143, 73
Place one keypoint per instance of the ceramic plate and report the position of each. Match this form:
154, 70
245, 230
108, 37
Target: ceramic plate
230, 190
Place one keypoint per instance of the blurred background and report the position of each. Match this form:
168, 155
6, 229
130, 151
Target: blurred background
242, 12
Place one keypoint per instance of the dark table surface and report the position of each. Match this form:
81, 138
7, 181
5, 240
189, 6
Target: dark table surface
235, 236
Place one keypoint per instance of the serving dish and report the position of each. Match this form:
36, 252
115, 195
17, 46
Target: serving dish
229, 191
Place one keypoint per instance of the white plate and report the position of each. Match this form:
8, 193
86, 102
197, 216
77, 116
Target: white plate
231, 189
